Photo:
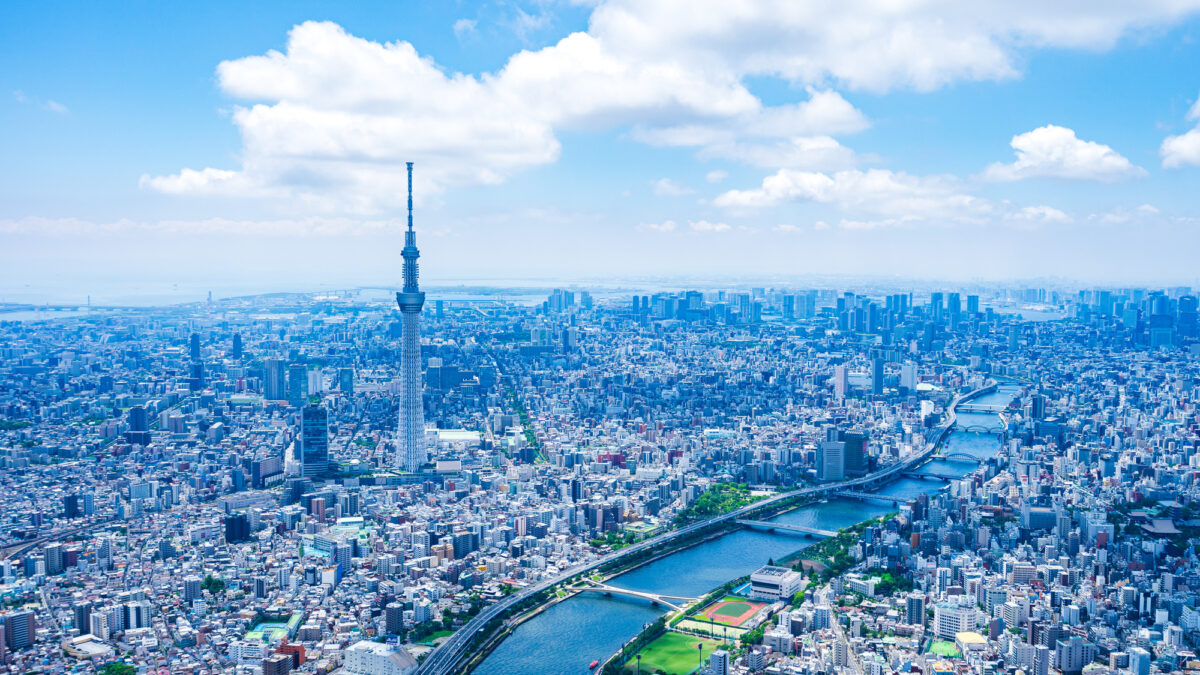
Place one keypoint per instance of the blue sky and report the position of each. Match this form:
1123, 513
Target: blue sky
157, 144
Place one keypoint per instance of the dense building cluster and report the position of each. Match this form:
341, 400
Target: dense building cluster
217, 487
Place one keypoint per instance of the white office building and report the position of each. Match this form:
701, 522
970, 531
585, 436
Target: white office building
771, 583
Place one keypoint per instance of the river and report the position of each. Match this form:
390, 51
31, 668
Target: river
566, 637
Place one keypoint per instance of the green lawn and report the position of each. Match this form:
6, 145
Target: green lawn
945, 648
673, 653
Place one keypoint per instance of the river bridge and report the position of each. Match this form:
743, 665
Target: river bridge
675, 602
869, 497
985, 408
932, 475
784, 527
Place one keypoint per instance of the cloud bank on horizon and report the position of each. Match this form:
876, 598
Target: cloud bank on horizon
329, 121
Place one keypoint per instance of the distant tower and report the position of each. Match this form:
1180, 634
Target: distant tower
411, 433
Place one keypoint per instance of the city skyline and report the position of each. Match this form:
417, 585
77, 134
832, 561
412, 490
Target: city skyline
764, 337
559, 141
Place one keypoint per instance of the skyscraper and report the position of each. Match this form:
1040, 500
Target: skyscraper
20, 629
314, 440
274, 380
297, 384
237, 528
831, 460
411, 432
841, 382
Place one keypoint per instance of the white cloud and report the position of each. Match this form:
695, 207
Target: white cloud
795, 135
783, 227
706, 226
877, 45
665, 187
878, 198
332, 227
814, 153
1184, 149
893, 195
523, 24
464, 27
825, 112
1123, 216
716, 176
1040, 214
49, 104
850, 224
1053, 151
344, 114
327, 123
666, 226
215, 181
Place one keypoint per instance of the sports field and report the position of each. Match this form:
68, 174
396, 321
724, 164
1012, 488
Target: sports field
732, 610
673, 653
945, 648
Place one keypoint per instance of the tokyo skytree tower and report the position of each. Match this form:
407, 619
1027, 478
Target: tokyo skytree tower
410, 437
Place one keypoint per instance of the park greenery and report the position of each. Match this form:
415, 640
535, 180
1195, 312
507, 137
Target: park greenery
212, 584
526, 423
431, 630
616, 540
716, 500
889, 584
755, 636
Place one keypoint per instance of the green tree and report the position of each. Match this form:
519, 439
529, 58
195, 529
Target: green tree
118, 668
212, 584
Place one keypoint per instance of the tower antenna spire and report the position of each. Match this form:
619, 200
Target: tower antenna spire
409, 196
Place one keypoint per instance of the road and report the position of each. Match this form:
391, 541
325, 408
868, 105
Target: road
22, 546
442, 659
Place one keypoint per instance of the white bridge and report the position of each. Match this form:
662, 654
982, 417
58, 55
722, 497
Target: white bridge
675, 602
981, 408
768, 525
869, 497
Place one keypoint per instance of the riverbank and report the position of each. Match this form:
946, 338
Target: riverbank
592, 625
720, 530
833, 549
